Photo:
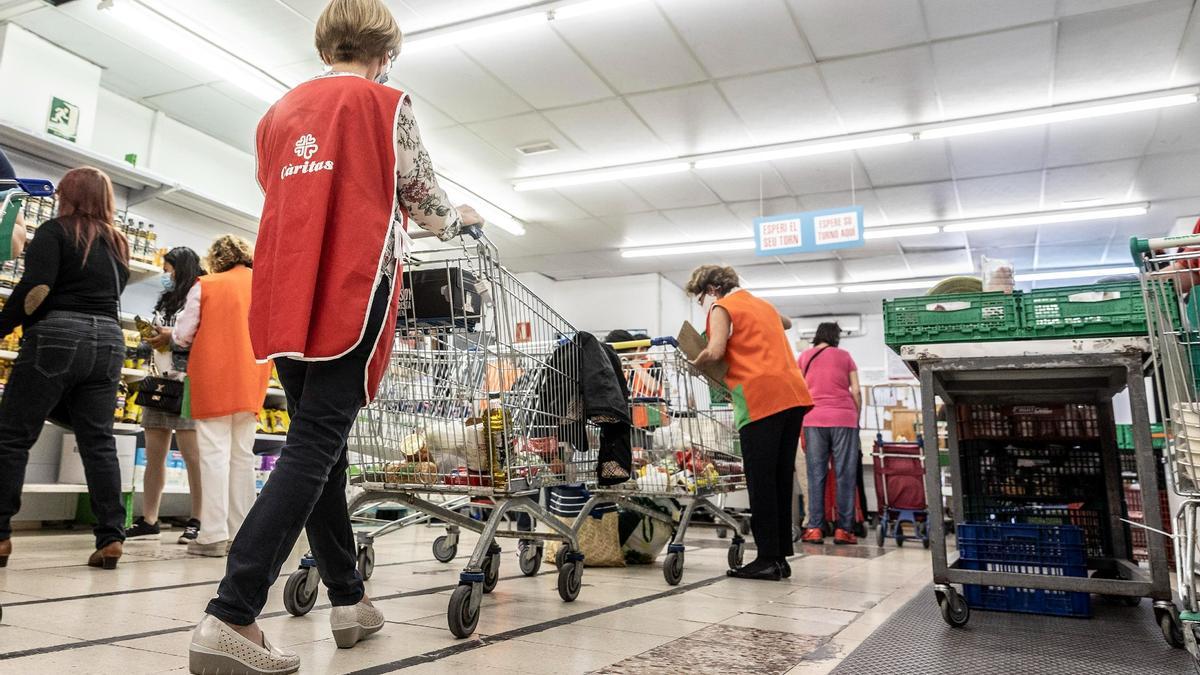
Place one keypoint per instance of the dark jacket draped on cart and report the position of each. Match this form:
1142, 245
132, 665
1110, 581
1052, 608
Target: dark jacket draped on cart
601, 397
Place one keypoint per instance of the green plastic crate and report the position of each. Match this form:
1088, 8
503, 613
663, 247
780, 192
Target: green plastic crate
960, 317
1110, 309
1125, 436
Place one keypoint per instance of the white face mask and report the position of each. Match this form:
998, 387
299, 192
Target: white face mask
382, 77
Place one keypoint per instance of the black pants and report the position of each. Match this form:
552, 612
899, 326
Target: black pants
68, 369
769, 455
307, 488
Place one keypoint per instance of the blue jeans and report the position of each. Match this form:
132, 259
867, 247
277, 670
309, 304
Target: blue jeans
68, 370
820, 443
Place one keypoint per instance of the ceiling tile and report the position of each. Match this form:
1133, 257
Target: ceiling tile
878, 91
872, 214
949, 18
509, 133
1002, 244
907, 163
729, 39
744, 182
747, 211
456, 85
783, 106
428, 116
709, 223
1067, 186
650, 228
1099, 140
634, 49
1009, 70
831, 30
1178, 130
691, 120
823, 173
1168, 176
1187, 65
1072, 7
540, 67
609, 132
605, 199
1014, 193
674, 191
1118, 52
266, 34
918, 203
998, 152
235, 125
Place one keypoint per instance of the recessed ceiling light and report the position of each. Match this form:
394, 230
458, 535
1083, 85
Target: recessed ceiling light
539, 148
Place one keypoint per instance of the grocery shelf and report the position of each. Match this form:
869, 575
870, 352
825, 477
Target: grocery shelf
54, 488
126, 429
130, 374
139, 270
274, 438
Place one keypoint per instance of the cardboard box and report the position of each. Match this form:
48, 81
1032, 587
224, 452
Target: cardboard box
70, 467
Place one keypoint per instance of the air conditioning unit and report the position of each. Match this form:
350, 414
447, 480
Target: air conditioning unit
806, 326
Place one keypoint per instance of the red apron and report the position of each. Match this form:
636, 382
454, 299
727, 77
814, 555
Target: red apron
327, 168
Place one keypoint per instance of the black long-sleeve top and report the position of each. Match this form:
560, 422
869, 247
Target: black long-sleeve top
52, 259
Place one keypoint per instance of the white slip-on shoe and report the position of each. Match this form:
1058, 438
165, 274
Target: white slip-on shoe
351, 623
217, 649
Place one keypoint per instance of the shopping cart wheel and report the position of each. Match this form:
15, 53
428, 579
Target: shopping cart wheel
444, 550
463, 614
295, 600
737, 552
673, 568
560, 557
1172, 629
881, 533
722, 533
954, 608
745, 526
570, 580
366, 562
530, 559
491, 572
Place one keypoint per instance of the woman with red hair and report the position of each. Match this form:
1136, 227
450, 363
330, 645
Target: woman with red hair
70, 361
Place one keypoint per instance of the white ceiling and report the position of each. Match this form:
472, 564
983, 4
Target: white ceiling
661, 78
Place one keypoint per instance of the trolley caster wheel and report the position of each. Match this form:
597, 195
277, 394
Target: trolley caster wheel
860, 530
491, 572
737, 552
1172, 629
561, 556
722, 533
366, 562
673, 568
444, 550
899, 537
296, 600
745, 526
881, 534
1125, 600
463, 614
530, 559
570, 580
954, 608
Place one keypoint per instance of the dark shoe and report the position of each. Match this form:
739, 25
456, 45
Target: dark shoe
107, 556
813, 535
190, 532
842, 537
785, 569
768, 573
142, 530
5, 551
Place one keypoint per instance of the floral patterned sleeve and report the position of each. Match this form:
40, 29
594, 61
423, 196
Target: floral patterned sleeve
417, 185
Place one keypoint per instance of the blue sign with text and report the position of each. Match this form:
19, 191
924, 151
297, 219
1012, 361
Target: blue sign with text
808, 232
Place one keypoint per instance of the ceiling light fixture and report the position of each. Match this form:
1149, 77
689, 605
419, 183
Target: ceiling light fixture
186, 44
1085, 273
802, 150
889, 286
1047, 218
1029, 118
603, 176
684, 249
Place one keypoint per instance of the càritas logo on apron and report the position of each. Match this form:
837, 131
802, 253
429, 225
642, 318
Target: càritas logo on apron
306, 148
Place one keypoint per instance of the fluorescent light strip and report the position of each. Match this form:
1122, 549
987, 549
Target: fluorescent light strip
1047, 218
1085, 273
684, 249
803, 150
567, 179
1051, 115
186, 44
889, 286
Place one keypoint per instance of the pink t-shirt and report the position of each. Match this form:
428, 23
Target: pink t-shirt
829, 383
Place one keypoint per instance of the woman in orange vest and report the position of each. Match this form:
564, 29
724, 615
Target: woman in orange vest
226, 388
769, 400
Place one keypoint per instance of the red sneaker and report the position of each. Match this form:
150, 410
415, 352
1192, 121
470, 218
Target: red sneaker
843, 537
813, 535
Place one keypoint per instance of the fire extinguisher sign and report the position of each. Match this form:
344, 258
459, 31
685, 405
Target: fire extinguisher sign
524, 332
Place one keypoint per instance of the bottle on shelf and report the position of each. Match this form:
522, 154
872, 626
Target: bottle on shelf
497, 424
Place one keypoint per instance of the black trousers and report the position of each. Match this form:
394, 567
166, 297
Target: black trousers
68, 370
307, 489
769, 454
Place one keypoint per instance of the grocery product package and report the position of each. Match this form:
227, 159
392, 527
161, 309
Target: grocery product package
997, 274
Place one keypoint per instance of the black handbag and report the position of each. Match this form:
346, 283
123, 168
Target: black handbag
161, 394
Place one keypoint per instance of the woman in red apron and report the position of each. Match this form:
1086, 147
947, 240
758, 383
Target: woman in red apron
343, 170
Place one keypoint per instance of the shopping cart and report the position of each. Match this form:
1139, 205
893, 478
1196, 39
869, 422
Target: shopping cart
685, 449
480, 400
899, 463
1170, 270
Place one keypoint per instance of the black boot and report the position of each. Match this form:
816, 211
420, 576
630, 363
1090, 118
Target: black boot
761, 569
785, 568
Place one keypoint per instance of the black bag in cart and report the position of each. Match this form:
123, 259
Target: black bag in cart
448, 296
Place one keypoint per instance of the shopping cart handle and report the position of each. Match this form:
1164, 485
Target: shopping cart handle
660, 341
473, 231
1139, 246
36, 187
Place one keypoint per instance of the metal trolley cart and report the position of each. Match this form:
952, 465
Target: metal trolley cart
482, 379
898, 466
1057, 393
685, 448
1170, 268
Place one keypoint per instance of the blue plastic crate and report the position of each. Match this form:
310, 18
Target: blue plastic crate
1051, 550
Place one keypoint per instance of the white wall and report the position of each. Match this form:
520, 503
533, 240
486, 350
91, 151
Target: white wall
636, 302
125, 128
33, 71
204, 164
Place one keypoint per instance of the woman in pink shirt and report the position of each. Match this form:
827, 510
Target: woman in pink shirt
831, 429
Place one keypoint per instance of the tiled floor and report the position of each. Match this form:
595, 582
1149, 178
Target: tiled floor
63, 617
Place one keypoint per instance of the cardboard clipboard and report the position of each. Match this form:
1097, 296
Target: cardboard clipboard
691, 343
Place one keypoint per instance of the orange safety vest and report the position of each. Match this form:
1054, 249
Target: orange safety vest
223, 376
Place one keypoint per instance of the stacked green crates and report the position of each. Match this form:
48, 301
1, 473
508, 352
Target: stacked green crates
1097, 310
961, 317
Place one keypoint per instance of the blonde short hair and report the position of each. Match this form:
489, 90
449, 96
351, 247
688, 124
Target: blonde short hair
705, 277
356, 31
227, 252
